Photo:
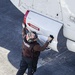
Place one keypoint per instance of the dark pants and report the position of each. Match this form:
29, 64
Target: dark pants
34, 64
29, 63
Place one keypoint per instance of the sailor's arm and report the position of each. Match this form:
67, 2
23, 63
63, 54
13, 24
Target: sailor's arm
41, 48
23, 30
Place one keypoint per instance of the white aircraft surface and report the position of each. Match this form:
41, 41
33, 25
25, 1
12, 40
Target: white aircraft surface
47, 17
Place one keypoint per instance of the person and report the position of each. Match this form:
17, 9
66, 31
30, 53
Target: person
31, 51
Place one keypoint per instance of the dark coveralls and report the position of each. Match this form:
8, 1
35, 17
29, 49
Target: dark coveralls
30, 54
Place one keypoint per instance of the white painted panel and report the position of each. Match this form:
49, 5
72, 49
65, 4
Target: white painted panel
49, 8
71, 45
15, 2
27, 2
69, 5
69, 33
47, 27
68, 18
20, 5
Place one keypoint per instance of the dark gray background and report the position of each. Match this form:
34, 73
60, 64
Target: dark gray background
62, 63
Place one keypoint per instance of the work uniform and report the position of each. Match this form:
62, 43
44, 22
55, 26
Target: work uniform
30, 54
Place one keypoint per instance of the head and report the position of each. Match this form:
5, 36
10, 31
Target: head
31, 37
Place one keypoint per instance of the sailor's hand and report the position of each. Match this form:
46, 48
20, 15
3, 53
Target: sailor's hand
23, 32
50, 38
23, 25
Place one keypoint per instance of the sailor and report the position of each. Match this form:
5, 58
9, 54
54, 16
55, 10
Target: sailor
30, 52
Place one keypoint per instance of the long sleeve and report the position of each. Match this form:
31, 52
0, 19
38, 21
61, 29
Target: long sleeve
23, 32
40, 48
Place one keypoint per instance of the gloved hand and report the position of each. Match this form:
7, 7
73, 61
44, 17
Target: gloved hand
23, 25
50, 38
